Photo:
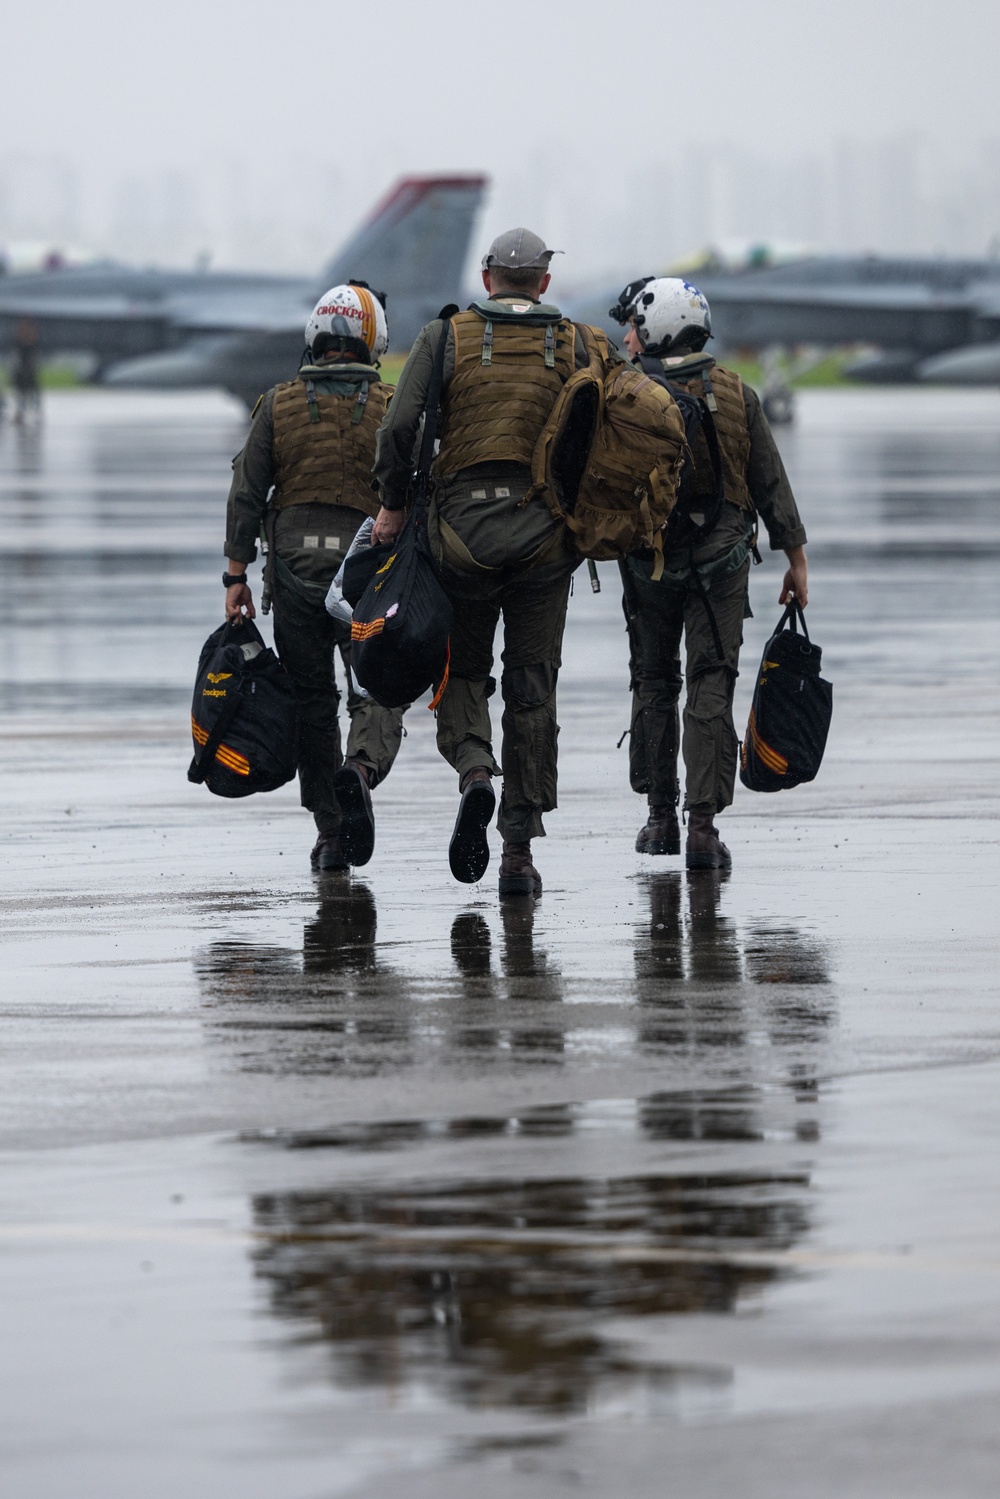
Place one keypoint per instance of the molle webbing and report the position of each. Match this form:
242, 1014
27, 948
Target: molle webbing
733, 433
506, 380
324, 445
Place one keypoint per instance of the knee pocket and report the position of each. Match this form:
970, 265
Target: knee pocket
529, 686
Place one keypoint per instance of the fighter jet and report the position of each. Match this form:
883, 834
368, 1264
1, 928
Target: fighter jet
164, 329
928, 319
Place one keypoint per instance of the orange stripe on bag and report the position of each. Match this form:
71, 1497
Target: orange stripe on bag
230, 758
770, 756
439, 694
361, 631
232, 761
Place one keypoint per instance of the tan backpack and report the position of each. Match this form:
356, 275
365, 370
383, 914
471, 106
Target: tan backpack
609, 458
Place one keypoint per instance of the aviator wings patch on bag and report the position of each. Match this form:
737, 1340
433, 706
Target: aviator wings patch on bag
791, 711
244, 717
610, 455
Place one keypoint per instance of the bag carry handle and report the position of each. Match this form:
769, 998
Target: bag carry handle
201, 763
793, 611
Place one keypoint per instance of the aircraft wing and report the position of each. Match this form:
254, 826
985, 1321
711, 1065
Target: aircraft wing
902, 316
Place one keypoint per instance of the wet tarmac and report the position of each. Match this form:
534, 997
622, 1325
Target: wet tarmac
673, 1184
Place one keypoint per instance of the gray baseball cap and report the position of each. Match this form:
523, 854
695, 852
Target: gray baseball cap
520, 250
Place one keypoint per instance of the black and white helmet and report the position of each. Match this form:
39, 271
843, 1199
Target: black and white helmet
670, 315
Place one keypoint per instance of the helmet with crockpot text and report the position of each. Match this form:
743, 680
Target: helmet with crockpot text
670, 315
350, 311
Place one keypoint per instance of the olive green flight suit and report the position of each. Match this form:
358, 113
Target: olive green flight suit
310, 537
659, 613
496, 557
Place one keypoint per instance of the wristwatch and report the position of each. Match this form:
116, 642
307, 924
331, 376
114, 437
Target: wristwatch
229, 579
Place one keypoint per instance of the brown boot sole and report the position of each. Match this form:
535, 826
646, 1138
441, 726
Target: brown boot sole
469, 849
357, 831
658, 845
520, 885
704, 859
327, 861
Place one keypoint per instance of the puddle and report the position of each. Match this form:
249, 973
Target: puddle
506, 1292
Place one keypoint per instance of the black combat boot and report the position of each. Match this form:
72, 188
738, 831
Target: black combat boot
518, 876
705, 849
661, 834
357, 830
469, 849
328, 855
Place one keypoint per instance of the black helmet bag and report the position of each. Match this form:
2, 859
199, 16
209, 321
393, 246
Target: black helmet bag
244, 717
791, 711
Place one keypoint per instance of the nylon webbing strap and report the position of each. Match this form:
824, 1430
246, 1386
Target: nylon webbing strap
793, 611
550, 347
721, 663
359, 406
432, 406
488, 344
311, 398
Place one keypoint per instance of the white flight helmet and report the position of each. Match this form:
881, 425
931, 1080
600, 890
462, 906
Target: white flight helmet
670, 315
351, 311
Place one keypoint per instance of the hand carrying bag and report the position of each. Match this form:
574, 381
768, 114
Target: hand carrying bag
244, 717
791, 711
402, 615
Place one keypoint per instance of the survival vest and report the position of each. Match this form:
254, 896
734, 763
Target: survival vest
609, 458
509, 370
722, 392
324, 445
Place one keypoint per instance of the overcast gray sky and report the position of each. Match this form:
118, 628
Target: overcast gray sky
578, 110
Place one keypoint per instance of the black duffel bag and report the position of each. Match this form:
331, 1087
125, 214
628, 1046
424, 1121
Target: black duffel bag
244, 717
402, 615
791, 710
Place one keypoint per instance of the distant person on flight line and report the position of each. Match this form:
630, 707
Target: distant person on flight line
702, 593
24, 377
313, 440
506, 360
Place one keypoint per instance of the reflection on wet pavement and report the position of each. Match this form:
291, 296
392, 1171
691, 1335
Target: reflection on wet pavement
500, 1292
691, 965
347, 1001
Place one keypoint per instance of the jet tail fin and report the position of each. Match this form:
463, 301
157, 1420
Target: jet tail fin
413, 246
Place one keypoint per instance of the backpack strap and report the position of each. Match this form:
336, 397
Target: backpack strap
202, 761
432, 413
550, 347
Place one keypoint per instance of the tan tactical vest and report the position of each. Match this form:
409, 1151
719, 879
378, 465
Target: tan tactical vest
326, 457
731, 426
507, 377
